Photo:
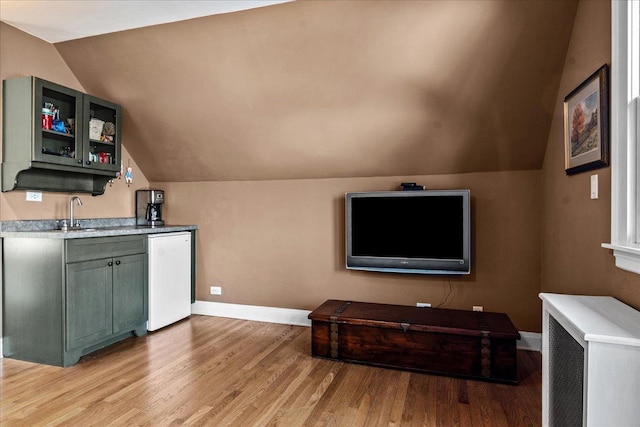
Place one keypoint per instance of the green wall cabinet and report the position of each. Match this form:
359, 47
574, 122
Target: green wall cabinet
72, 158
66, 298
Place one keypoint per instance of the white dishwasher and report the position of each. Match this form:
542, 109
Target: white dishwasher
169, 278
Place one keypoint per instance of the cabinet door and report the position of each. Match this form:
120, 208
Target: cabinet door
88, 302
62, 145
101, 149
129, 292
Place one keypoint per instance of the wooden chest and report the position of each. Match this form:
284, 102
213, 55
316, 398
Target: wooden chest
467, 344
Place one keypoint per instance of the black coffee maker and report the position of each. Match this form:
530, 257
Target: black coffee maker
149, 207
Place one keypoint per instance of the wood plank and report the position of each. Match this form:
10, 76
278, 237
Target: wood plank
216, 371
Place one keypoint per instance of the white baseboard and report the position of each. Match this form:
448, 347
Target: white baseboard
287, 316
290, 316
530, 341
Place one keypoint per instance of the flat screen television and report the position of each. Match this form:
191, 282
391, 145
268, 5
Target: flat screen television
423, 232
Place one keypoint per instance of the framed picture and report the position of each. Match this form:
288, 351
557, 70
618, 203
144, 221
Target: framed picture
586, 124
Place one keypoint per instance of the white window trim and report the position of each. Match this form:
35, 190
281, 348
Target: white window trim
625, 123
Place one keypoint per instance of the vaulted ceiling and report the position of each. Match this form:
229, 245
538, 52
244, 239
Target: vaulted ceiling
320, 89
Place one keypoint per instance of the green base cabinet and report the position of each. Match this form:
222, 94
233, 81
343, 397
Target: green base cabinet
89, 302
66, 298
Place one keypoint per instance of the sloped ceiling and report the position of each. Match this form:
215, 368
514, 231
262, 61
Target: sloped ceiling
335, 88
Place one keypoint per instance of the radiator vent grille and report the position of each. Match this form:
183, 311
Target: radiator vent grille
566, 377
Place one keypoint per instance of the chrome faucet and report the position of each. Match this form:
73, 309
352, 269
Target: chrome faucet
71, 223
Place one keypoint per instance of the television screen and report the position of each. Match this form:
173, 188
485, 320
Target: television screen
424, 232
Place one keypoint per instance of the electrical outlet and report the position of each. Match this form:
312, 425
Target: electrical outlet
478, 308
216, 290
34, 196
423, 304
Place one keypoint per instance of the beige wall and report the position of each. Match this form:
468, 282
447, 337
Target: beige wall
574, 226
281, 243
23, 55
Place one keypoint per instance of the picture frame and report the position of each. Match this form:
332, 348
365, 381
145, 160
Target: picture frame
586, 124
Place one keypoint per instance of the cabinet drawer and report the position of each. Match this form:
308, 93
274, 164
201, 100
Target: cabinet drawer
104, 247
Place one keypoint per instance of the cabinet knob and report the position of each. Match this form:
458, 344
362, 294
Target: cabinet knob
80, 161
117, 262
109, 263
88, 162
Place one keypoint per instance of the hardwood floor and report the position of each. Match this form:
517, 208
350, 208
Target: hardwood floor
216, 371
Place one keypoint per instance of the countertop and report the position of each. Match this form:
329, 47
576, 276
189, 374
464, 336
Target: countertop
98, 227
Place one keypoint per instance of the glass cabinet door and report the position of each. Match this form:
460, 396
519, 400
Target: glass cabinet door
101, 138
57, 129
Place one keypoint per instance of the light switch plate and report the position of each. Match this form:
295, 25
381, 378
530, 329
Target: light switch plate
34, 196
594, 186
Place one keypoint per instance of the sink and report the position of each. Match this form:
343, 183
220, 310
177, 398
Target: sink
74, 230
63, 225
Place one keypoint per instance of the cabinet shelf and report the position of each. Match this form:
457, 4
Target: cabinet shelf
56, 133
53, 153
95, 141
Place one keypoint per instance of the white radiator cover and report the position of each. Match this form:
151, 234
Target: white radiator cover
590, 361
